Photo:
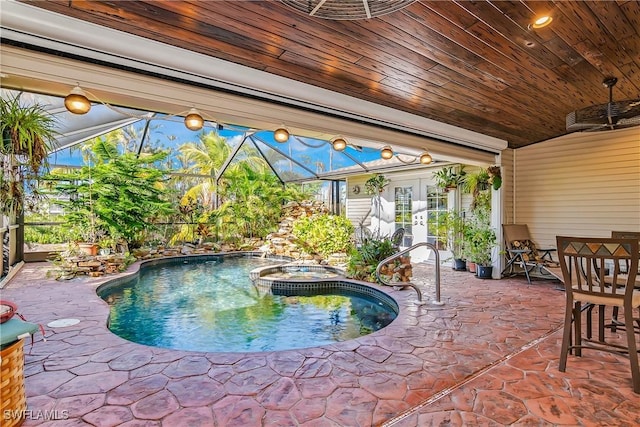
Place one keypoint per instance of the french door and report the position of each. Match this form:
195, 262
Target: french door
416, 207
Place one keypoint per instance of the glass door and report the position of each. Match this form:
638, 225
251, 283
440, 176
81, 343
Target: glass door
403, 202
437, 202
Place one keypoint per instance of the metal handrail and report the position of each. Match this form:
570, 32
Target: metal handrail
413, 285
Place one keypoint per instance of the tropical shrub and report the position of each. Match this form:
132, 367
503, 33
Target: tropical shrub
45, 234
364, 259
121, 195
324, 234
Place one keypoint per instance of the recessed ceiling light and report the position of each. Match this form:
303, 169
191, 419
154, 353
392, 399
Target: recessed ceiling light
541, 21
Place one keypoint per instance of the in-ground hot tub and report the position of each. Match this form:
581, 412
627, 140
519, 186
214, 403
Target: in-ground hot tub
296, 271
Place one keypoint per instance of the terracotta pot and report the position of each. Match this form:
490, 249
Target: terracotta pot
471, 267
88, 248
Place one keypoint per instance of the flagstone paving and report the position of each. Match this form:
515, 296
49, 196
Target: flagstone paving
488, 356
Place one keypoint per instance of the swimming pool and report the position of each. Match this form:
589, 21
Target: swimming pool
210, 304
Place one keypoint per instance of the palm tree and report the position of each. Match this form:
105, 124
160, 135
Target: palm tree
207, 157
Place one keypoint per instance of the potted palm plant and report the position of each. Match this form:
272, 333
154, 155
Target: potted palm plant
27, 133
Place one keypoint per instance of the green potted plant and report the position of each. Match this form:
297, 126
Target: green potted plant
27, 133
448, 178
480, 240
477, 181
376, 184
107, 245
449, 226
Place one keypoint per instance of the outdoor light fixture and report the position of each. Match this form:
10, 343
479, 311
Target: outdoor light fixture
193, 120
77, 102
541, 22
281, 134
339, 143
425, 158
386, 152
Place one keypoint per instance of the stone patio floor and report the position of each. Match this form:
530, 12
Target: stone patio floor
487, 357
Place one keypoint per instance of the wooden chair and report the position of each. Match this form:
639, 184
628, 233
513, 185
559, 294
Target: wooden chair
522, 252
592, 276
625, 235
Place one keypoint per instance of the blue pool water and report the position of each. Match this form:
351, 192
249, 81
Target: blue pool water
213, 306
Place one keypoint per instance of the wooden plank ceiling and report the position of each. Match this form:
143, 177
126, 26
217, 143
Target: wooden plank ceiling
472, 64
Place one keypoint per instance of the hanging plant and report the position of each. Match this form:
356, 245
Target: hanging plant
447, 178
495, 177
477, 181
27, 133
376, 184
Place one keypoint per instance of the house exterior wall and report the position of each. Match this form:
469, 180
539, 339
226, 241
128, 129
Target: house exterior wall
358, 202
360, 205
581, 184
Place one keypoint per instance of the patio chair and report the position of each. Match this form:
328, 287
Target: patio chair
591, 270
615, 323
522, 252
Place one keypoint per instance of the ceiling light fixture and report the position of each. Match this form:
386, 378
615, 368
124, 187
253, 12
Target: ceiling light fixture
339, 143
193, 120
281, 134
386, 152
425, 158
541, 22
77, 102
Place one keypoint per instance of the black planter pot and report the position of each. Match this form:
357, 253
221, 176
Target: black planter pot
484, 272
459, 264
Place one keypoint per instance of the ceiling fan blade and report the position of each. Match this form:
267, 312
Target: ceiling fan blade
607, 115
612, 115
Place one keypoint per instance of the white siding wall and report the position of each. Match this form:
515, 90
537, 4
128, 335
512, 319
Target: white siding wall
358, 204
582, 184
